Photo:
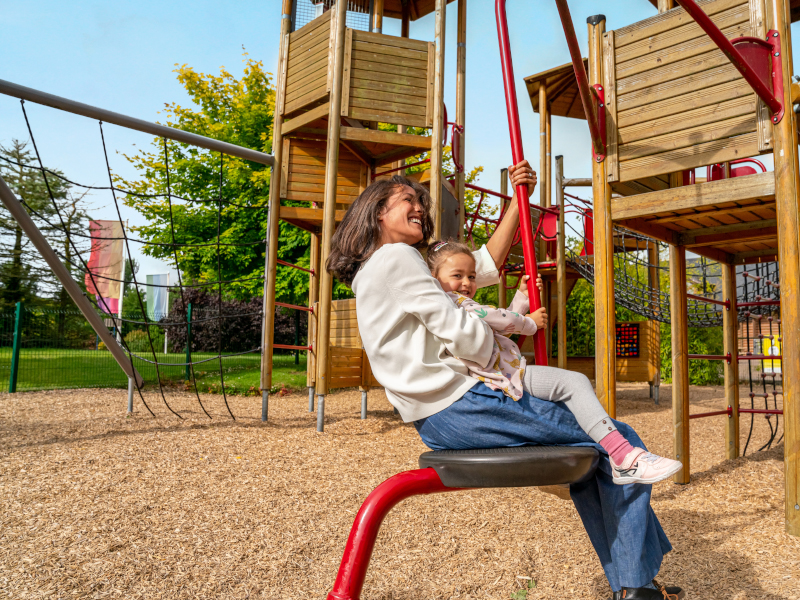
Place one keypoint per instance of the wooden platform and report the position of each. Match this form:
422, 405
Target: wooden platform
730, 220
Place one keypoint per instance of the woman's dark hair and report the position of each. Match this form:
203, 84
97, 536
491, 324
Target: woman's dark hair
358, 235
439, 251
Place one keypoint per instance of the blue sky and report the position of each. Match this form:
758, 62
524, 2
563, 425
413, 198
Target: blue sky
121, 55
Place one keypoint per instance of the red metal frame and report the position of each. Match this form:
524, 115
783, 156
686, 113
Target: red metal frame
290, 347
360, 543
295, 307
725, 303
749, 72
729, 412
539, 342
725, 357
298, 267
760, 303
589, 106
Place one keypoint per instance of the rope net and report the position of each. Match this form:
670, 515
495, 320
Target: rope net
203, 335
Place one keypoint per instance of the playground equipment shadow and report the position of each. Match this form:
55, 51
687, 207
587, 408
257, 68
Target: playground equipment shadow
99, 505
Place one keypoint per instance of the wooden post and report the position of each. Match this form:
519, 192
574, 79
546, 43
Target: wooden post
405, 18
561, 267
377, 17
461, 110
604, 306
271, 259
329, 215
665, 5
438, 117
730, 326
680, 359
787, 184
313, 298
502, 297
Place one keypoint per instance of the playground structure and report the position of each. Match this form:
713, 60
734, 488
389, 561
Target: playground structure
666, 101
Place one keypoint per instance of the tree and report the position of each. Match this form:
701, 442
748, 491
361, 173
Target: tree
239, 111
24, 277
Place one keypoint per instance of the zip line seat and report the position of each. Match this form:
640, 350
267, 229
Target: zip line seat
450, 471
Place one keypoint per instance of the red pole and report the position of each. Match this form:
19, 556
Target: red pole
589, 106
360, 543
539, 343
732, 53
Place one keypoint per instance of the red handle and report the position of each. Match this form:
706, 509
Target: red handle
539, 345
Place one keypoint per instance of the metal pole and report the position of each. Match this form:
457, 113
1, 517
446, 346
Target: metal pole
107, 116
12, 380
130, 395
188, 342
60, 271
363, 404
539, 342
736, 58
580, 75
310, 398
321, 413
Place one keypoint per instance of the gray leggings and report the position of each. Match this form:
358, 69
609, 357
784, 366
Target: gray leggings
575, 391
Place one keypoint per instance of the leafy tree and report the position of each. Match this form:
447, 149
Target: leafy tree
239, 111
24, 276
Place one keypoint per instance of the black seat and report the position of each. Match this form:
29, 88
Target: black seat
521, 466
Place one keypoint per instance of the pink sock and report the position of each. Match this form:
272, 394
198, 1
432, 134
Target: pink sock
616, 446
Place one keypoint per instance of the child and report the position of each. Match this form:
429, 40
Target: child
453, 265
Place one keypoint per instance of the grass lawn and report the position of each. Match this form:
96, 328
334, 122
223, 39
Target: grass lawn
50, 368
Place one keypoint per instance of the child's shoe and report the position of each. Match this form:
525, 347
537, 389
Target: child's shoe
640, 466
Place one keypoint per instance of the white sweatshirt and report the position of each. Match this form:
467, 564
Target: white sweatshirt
408, 325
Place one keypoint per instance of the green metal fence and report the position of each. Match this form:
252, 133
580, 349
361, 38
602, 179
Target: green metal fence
43, 349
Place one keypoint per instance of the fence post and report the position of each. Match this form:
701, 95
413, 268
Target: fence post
189, 342
12, 380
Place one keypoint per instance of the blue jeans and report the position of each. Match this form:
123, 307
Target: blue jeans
621, 525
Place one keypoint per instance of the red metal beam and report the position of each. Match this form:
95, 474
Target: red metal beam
736, 58
726, 303
294, 306
518, 155
587, 99
360, 543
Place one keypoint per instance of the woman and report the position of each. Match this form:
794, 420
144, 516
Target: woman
412, 331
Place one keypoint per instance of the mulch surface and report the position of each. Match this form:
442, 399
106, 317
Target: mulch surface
94, 504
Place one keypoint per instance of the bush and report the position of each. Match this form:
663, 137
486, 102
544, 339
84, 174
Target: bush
138, 341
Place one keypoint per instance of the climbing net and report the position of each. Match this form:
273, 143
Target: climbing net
207, 333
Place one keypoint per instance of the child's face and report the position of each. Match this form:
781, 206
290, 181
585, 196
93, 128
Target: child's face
457, 274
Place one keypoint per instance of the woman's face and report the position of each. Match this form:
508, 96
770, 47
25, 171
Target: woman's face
401, 218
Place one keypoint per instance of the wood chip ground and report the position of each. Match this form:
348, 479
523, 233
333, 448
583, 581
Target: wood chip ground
97, 505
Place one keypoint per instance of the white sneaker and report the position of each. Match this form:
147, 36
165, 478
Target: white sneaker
641, 466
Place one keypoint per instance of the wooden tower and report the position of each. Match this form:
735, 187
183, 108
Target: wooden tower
675, 102
335, 86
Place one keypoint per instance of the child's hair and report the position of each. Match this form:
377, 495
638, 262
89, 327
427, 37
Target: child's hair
358, 235
439, 251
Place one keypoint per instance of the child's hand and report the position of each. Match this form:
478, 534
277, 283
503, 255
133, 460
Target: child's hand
523, 287
540, 318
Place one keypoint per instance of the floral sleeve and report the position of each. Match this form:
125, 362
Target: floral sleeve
503, 321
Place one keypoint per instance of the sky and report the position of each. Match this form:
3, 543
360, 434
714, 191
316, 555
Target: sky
121, 56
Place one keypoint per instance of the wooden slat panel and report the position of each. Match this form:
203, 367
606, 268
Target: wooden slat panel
676, 70
368, 65
312, 26
313, 55
709, 97
306, 100
386, 117
302, 78
391, 78
431, 83
388, 40
677, 35
681, 52
388, 107
395, 96
309, 46
689, 137
671, 89
685, 158
343, 382
299, 186
316, 197
668, 20
384, 55
398, 89
311, 87
319, 178
420, 53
